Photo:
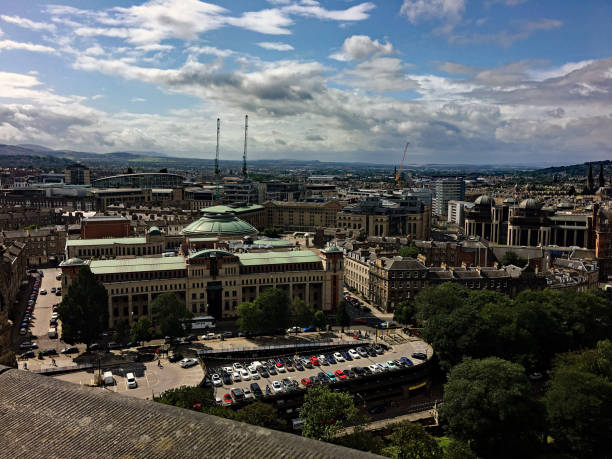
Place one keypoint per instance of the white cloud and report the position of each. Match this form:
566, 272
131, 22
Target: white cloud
27, 23
95, 50
15, 45
271, 21
312, 9
556, 72
276, 46
359, 47
138, 99
98, 96
419, 10
210, 50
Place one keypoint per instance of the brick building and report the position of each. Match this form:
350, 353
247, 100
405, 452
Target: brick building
100, 226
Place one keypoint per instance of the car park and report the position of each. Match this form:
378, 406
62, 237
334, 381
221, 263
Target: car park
314, 361
362, 352
419, 355
257, 392
330, 359
227, 398
354, 354
131, 381
216, 380
187, 363
340, 374
339, 357
236, 376
244, 374
306, 382
323, 360
237, 394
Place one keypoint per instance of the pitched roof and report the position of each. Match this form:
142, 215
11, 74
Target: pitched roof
43, 417
139, 264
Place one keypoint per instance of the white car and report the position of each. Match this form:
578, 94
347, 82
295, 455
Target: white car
244, 374
256, 364
322, 360
294, 330
280, 368
237, 366
247, 394
229, 370
253, 373
338, 357
375, 368
131, 381
216, 380
54, 316
43, 291
354, 354
277, 387
236, 376
186, 363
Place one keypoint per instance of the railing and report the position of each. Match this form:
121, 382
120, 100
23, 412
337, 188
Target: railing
275, 347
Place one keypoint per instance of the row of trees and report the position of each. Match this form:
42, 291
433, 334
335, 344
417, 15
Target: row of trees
84, 314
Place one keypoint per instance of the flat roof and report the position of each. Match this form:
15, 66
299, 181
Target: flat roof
278, 258
106, 241
237, 209
139, 264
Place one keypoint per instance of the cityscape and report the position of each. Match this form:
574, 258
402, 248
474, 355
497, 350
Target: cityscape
298, 228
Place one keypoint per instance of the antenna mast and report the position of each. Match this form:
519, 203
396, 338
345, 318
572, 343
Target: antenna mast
217, 171
244, 156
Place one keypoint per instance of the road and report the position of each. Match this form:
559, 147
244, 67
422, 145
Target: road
395, 353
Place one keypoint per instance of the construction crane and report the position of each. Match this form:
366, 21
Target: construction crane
398, 174
244, 155
217, 171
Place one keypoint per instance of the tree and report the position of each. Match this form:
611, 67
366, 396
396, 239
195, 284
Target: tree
272, 232
142, 330
268, 313
362, 440
342, 315
169, 312
488, 404
122, 331
458, 450
411, 441
84, 310
326, 413
260, 414
579, 401
408, 252
405, 312
320, 320
302, 314
511, 258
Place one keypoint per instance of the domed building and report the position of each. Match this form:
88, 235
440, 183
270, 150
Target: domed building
478, 219
222, 225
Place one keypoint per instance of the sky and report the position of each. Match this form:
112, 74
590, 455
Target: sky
464, 81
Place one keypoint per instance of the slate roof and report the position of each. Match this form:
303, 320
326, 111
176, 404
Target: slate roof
43, 417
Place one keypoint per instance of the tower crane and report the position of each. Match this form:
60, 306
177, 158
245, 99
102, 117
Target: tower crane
398, 174
244, 155
217, 171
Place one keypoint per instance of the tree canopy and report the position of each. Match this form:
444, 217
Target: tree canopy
320, 320
269, 312
122, 331
488, 404
302, 314
410, 441
168, 312
405, 312
511, 258
579, 401
84, 309
326, 413
142, 330
342, 315
408, 251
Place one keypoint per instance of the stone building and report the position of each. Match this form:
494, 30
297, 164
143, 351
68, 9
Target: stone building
302, 216
397, 279
603, 242
13, 264
153, 243
43, 246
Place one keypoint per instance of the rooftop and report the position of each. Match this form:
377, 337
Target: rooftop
139, 264
236, 210
106, 241
278, 258
44, 417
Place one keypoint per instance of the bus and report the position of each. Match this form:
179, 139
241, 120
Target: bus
200, 323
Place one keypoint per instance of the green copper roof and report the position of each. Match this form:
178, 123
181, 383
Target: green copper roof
223, 225
278, 258
273, 242
235, 210
72, 262
140, 264
207, 253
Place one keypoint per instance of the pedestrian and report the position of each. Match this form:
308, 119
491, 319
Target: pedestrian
25, 365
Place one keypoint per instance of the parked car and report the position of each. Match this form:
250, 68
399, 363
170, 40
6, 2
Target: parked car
236, 376
419, 355
53, 289
237, 393
338, 356
306, 382
323, 360
277, 387
405, 361
244, 374
175, 357
310, 328
257, 392
314, 361
227, 398
287, 385
354, 354
70, 350
216, 380
340, 374
27, 355
294, 330
362, 352
131, 381
43, 291
187, 363
331, 376
360, 320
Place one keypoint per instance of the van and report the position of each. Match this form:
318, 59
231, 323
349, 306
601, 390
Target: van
297, 423
52, 333
108, 379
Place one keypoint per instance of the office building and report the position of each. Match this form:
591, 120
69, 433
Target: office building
446, 190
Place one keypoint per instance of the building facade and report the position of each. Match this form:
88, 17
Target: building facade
447, 190
42, 246
214, 281
302, 216
100, 226
77, 174
110, 247
456, 211
146, 180
13, 264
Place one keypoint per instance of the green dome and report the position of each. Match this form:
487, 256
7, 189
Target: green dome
154, 231
222, 225
72, 261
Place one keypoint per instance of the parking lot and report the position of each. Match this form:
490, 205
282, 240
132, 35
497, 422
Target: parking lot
396, 352
151, 379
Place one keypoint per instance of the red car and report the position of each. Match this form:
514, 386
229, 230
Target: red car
314, 361
340, 374
306, 382
359, 320
227, 398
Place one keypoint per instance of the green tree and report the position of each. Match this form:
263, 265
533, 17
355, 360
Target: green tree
260, 414
362, 440
268, 313
408, 252
488, 404
122, 331
302, 314
511, 258
579, 401
187, 397
405, 312
272, 232
342, 315
411, 441
168, 312
142, 330
458, 450
84, 310
326, 413
320, 320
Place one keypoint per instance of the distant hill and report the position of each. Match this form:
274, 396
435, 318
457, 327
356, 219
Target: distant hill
574, 170
35, 147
